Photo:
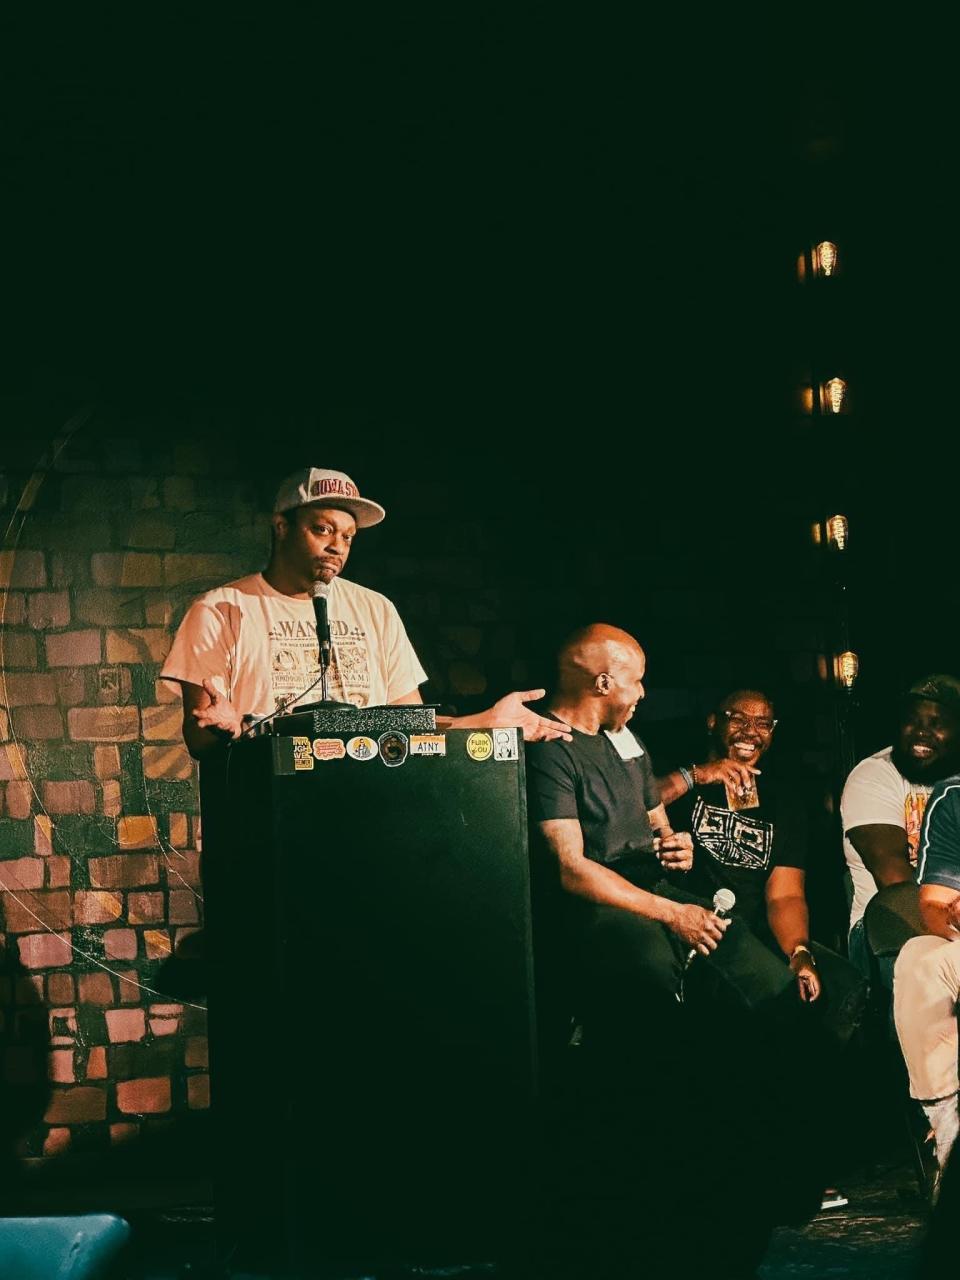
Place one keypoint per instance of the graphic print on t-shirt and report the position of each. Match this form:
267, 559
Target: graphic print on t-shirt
295, 665
914, 804
734, 839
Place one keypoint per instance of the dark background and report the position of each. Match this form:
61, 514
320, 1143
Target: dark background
534, 285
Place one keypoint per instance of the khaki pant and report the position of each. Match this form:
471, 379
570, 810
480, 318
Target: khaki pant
926, 988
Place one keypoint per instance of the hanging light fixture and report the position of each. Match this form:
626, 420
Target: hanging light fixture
832, 395
838, 532
848, 668
825, 258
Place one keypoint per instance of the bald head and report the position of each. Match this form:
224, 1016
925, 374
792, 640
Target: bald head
601, 671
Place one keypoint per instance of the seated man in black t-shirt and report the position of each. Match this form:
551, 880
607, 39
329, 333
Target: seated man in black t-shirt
750, 835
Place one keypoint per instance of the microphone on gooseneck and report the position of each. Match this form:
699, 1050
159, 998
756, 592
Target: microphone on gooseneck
724, 901
320, 591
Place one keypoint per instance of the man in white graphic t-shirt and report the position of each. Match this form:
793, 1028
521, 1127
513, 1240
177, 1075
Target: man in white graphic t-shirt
884, 799
249, 648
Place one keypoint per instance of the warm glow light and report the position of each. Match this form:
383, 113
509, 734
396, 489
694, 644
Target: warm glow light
848, 668
838, 530
825, 255
835, 391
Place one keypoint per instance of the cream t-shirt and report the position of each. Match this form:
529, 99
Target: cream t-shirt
259, 647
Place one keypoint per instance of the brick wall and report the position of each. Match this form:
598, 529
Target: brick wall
99, 824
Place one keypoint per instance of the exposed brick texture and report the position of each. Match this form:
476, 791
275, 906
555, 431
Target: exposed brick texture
143, 1097
104, 724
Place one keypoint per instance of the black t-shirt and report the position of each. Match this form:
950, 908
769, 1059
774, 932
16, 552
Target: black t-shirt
589, 780
738, 849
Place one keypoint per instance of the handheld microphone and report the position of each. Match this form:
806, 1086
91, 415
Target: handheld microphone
724, 901
320, 591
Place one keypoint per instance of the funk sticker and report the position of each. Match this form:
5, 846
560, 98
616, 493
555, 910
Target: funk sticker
302, 757
393, 748
428, 744
362, 749
479, 746
329, 749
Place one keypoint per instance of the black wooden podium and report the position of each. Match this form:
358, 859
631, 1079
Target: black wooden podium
371, 1002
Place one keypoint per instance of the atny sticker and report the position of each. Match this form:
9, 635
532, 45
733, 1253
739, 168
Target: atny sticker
302, 755
362, 749
505, 744
428, 744
393, 748
329, 749
479, 746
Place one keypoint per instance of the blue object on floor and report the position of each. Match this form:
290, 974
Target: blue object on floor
80, 1248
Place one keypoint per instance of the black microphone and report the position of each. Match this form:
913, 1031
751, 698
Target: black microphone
320, 591
724, 901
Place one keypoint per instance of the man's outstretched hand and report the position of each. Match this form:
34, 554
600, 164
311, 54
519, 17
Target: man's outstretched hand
511, 712
219, 715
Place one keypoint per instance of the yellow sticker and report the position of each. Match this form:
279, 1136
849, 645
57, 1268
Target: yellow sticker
428, 744
479, 746
302, 754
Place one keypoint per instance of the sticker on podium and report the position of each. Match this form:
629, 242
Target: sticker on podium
428, 744
479, 746
361, 748
328, 749
505, 744
302, 754
393, 748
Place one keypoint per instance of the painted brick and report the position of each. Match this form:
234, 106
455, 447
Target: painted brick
138, 645
13, 608
181, 937
22, 569
157, 943
158, 609
164, 691
183, 907
157, 531
30, 690
178, 829
172, 763
60, 1066
21, 873
40, 909
166, 1010
5, 723
57, 1141
96, 1064
35, 723
198, 1092
178, 492
183, 869
63, 1026
19, 799
103, 724
121, 1134
106, 762
80, 1105
96, 988
109, 608
58, 872
111, 798
19, 650
73, 649
60, 988
124, 871
126, 1025
150, 1096
129, 985
164, 1026
95, 906
120, 944
136, 831
71, 686
12, 763
69, 797
179, 570
45, 950
144, 908
126, 569
162, 723
196, 1053
114, 686
42, 835
46, 609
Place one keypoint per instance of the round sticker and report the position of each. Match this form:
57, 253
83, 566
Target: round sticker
393, 748
362, 749
479, 746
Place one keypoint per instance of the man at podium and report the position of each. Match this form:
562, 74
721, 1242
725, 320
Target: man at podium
249, 650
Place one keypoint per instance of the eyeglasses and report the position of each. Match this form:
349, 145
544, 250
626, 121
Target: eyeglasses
762, 724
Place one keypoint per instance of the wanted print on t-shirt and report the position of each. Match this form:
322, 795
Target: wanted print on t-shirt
348, 665
734, 839
294, 663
